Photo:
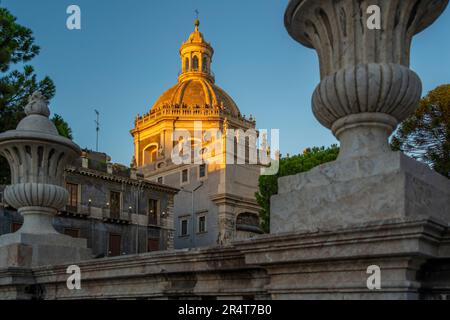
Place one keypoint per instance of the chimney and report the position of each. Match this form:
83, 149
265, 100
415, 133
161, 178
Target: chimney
133, 173
84, 160
109, 168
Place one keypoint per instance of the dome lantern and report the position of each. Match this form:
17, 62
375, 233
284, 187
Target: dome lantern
196, 57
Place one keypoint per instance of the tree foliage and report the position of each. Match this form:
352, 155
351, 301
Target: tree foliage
425, 135
15, 88
62, 126
268, 185
16, 41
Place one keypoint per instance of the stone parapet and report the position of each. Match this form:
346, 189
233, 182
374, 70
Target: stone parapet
300, 265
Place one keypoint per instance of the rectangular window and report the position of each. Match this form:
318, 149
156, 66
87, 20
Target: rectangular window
185, 176
72, 203
114, 204
201, 224
202, 171
114, 245
74, 233
153, 211
153, 245
183, 227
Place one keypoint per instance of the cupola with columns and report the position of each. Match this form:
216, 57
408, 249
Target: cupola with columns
196, 56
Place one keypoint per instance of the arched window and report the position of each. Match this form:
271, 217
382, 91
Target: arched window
150, 154
186, 64
195, 63
205, 64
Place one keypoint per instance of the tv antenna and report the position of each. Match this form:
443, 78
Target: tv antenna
97, 127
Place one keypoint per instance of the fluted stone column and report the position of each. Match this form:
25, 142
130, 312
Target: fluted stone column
37, 156
366, 90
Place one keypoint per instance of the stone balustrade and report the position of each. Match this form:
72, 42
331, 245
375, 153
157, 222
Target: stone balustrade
188, 111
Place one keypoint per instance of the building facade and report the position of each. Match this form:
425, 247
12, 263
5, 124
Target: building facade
111, 206
216, 202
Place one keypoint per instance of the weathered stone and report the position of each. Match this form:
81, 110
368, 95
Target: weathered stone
359, 190
301, 265
367, 88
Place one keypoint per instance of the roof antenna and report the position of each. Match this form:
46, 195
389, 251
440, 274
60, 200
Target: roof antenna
97, 128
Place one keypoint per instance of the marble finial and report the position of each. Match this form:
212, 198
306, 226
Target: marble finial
37, 116
37, 104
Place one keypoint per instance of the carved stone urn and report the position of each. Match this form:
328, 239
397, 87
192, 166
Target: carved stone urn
366, 86
37, 156
366, 90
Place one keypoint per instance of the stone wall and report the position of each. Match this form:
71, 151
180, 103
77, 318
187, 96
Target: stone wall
413, 255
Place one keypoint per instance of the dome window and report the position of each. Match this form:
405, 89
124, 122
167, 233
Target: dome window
195, 63
205, 64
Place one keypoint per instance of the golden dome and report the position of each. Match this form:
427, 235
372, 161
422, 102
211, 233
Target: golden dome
197, 92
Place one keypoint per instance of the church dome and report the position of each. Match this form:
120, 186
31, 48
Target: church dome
196, 82
195, 97
197, 92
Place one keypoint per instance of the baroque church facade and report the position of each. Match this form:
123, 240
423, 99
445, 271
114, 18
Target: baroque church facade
216, 202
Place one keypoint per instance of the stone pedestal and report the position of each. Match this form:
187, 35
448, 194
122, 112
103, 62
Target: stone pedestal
372, 206
360, 190
31, 250
366, 90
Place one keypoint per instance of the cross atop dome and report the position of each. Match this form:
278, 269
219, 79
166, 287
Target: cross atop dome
196, 22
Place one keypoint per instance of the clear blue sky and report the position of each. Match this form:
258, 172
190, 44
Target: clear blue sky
126, 55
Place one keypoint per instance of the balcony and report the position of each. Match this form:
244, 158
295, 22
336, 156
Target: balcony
77, 211
152, 220
116, 216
